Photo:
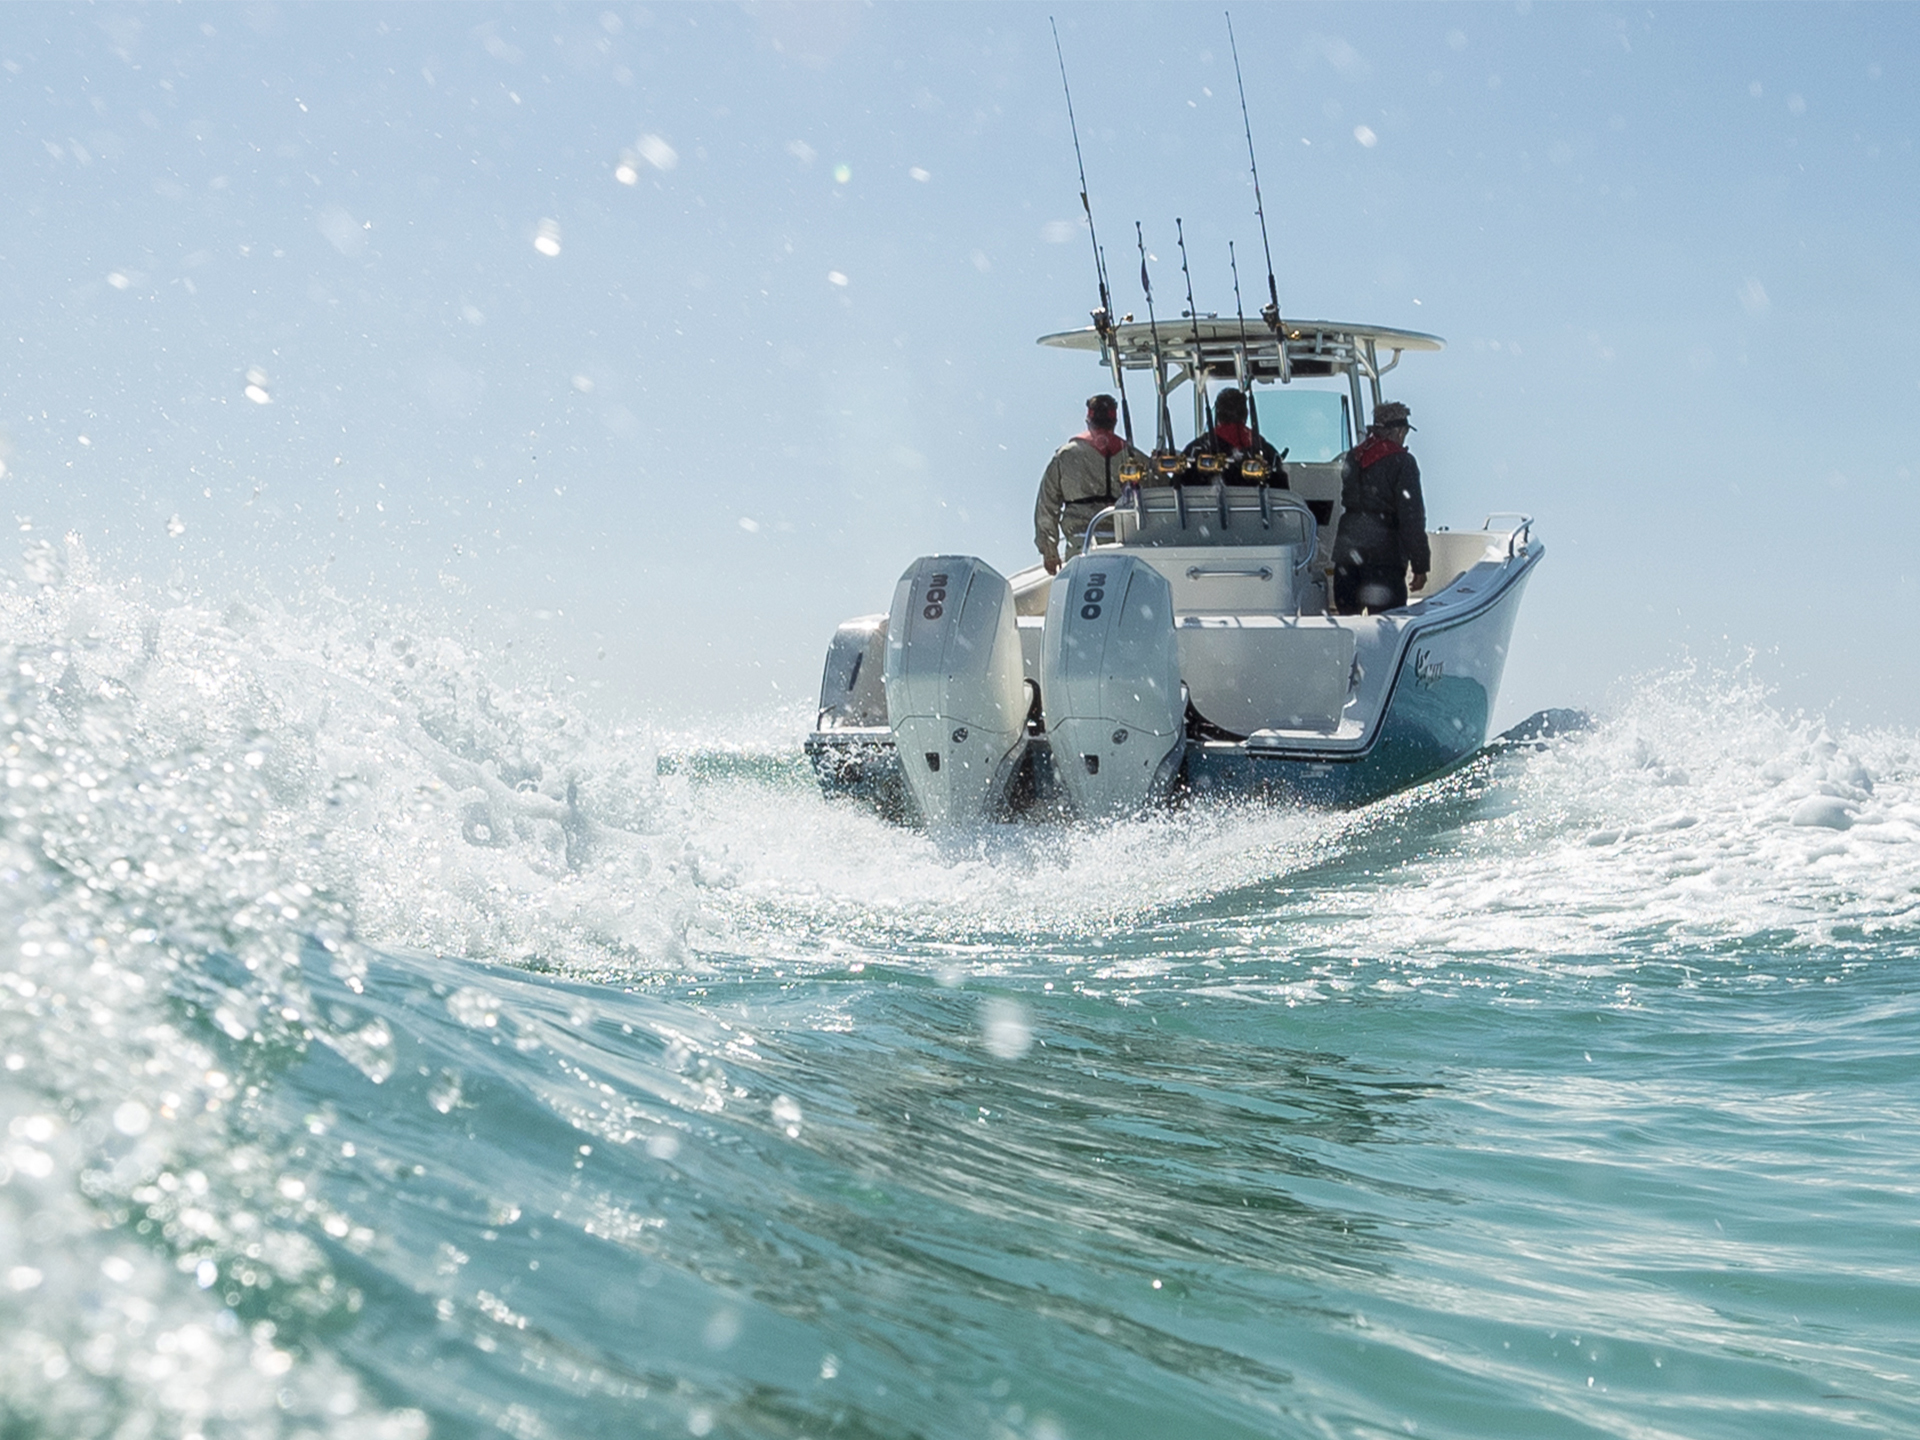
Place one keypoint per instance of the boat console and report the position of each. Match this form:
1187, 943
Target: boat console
1241, 549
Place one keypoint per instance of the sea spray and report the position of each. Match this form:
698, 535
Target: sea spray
202, 806
390, 1050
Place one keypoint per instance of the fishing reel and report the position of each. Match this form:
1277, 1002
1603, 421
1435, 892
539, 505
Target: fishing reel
1254, 469
1132, 472
1167, 464
1212, 466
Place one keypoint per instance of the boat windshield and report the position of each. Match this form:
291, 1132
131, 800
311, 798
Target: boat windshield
1311, 425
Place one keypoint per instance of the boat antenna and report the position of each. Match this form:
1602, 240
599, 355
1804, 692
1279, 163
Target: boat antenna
1243, 370
1163, 437
1271, 312
1204, 407
1103, 317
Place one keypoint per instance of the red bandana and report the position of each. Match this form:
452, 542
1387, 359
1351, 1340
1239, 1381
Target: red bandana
1238, 436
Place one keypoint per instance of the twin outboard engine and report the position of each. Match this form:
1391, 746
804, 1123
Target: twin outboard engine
1110, 682
956, 691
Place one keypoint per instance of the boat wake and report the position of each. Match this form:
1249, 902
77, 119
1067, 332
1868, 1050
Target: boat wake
294, 889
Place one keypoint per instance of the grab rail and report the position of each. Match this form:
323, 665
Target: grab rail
1198, 572
1086, 541
1518, 537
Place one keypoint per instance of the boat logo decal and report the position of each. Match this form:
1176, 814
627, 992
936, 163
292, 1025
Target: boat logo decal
1091, 597
1426, 669
936, 595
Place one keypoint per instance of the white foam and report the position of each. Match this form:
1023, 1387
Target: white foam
195, 793
191, 797
1699, 811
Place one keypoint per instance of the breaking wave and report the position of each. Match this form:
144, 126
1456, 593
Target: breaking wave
258, 857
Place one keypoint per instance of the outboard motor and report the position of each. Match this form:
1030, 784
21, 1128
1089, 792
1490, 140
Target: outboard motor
1110, 683
852, 688
956, 690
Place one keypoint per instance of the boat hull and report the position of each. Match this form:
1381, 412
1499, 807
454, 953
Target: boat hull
1437, 715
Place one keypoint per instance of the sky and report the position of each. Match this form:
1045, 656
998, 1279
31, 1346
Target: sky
656, 340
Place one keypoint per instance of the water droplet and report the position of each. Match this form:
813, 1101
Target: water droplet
445, 1094
657, 152
1006, 1029
722, 1329
474, 1007
786, 1112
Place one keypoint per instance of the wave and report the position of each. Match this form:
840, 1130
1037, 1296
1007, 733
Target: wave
227, 828
198, 803
1697, 812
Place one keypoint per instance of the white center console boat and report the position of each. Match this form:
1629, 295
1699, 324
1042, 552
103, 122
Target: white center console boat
1191, 649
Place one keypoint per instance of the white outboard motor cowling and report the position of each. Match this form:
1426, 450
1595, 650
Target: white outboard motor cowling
1110, 684
956, 691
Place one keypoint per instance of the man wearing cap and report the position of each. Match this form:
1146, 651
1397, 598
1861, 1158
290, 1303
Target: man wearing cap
1383, 521
1238, 446
1081, 480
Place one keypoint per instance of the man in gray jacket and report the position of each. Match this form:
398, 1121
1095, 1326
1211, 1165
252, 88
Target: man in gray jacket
1082, 479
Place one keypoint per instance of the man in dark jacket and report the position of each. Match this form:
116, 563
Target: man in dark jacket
1383, 521
1237, 447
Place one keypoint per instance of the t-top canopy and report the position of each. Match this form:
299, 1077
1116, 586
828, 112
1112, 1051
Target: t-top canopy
1313, 347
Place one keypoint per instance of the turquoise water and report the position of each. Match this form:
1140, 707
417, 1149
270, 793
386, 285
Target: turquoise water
390, 1050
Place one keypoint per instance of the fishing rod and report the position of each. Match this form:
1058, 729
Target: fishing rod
1103, 317
1203, 402
1271, 313
1163, 438
1242, 370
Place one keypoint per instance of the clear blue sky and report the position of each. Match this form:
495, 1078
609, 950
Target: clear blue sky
1672, 249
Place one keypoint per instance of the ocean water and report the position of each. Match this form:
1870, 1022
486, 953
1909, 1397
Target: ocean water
390, 1050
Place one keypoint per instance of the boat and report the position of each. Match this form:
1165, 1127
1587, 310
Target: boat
1191, 649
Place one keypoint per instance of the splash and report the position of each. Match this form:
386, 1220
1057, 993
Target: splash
200, 808
214, 816
1697, 811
